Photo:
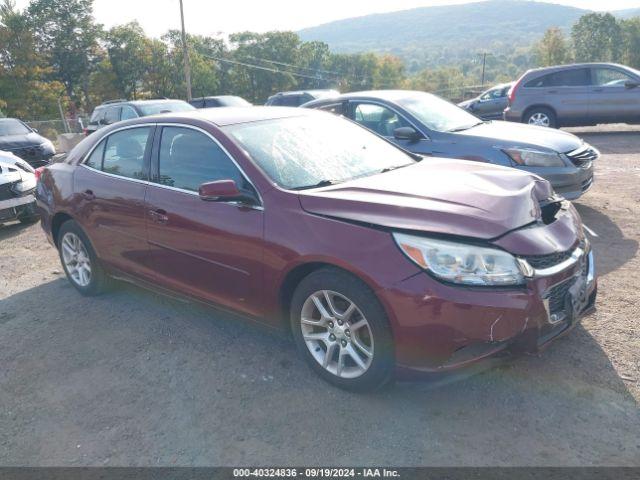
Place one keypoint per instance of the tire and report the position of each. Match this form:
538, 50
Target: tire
541, 116
334, 332
96, 282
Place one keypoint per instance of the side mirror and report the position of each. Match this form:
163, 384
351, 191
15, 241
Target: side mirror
407, 133
224, 191
631, 84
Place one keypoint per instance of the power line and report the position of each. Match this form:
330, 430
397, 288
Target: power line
267, 69
294, 66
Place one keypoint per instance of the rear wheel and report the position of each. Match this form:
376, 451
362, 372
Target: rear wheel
542, 117
79, 260
342, 330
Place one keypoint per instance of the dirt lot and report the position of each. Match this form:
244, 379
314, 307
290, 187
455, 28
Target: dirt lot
131, 378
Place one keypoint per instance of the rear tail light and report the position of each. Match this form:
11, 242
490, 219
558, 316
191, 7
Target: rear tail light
86, 132
512, 91
38, 173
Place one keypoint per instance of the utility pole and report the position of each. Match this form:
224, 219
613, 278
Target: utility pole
484, 62
187, 66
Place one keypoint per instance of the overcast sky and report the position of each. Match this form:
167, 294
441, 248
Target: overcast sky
208, 17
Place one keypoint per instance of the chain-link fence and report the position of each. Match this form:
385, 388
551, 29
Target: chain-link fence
52, 128
460, 93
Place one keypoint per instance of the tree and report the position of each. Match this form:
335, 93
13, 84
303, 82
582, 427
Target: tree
24, 90
597, 38
552, 49
67, 36
129, 56
631, 42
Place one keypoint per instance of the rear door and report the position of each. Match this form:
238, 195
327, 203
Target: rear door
566, 91
110, 186
611, 100
209, 250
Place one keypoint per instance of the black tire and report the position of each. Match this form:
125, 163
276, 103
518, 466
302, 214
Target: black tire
547, 112
99, 281
381, 367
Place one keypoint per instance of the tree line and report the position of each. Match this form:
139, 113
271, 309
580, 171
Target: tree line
54, 52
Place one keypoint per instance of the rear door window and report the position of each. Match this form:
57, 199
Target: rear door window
128, 112
576, 77
124, 153
112, 115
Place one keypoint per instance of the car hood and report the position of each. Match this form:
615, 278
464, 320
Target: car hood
11, 142
437, 195
466, 103
509, 134
10, 172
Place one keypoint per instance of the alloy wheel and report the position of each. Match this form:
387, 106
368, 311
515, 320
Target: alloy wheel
337, 334
76, 259
540, 119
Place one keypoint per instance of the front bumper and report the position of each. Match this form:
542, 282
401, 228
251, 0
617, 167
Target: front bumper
440, 327
569, 182
14, 208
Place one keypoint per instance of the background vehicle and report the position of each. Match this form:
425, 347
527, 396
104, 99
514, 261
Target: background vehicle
297, 98
427, 125
579, 94
220, 101
254, 210
490, 104
23, 141
17, 185
116, 110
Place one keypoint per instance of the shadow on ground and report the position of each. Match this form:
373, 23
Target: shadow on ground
131, 378
612, 142
612, 248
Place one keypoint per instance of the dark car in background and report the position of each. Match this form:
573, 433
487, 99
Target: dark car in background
114, 111
578, 94
220, 101
297, 98
378, 262
490, 104
25, 142
428, 125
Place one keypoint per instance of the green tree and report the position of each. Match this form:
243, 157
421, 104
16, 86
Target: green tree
597, 38
129, 56
631, 42
67, 36
552, 49
25, 91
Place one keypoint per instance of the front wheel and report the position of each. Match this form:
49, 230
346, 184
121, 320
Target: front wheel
342, 330
79, 260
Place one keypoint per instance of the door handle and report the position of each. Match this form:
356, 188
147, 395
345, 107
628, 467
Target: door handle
159, 216
88, 195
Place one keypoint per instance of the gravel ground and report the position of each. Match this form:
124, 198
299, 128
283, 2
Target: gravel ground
132, 378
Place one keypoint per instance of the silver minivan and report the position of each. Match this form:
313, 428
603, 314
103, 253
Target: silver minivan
578, 94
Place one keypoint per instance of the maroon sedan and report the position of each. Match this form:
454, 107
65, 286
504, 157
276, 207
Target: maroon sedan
380, 262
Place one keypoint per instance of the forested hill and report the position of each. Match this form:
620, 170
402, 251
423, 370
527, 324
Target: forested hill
441, 34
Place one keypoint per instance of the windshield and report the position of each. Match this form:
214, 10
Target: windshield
437, 114
303, 152
12, 127
164, 107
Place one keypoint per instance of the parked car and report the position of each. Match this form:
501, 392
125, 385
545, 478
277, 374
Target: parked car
25, 142
17, 185
579, 94
428, 125
220, 101
376, 261
114, 111
295, 99
490, 104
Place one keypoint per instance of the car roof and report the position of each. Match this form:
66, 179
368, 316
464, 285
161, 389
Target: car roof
555, 68
302, 92
230, 115
388, 95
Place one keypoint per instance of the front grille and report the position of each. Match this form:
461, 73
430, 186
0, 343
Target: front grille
583, 156
557, 296
5, 191
586, 184
546, 261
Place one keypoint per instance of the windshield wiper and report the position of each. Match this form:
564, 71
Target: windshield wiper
464, 127
395, 167
321, 183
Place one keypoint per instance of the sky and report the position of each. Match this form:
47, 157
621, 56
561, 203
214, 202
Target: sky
210, 17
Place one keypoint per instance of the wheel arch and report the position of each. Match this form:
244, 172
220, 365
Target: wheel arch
56, 222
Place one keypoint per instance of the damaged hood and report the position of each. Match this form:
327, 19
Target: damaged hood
14, 169
438, 196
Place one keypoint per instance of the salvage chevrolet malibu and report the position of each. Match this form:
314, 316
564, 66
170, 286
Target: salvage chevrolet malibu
378, 262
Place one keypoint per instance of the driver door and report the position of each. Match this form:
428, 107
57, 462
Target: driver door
204, 249
384, 121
